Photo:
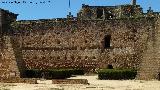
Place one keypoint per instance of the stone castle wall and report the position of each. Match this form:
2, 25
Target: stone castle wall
80, 44
122, 36
150, 65
8, 64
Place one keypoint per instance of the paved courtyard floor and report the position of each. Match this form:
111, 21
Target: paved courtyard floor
95, 84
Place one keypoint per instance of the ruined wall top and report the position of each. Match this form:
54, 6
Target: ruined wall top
6, 18
111, 12
90, 13
7, 15
133, 2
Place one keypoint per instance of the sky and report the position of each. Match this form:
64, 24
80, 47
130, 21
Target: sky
48, 9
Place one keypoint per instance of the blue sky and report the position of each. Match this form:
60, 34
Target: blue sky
59, 8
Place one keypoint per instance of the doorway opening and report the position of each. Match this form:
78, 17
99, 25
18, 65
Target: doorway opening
107, 41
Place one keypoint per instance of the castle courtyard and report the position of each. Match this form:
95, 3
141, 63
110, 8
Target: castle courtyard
94, 84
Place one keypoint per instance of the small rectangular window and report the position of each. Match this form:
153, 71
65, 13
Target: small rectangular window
99, 13
107, 41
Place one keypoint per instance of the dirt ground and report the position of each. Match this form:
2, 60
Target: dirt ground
95, 84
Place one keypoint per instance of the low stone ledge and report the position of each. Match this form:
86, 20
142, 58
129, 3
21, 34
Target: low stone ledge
34, 81
70, 81
19, 80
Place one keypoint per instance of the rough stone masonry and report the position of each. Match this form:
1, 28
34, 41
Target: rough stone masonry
122, 36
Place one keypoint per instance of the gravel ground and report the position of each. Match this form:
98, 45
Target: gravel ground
94, 85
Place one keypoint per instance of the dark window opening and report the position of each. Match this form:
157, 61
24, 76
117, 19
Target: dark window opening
99, 13
109, 15
107, 41
109, 66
